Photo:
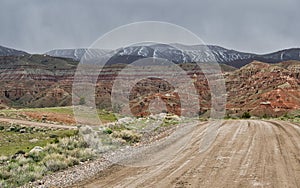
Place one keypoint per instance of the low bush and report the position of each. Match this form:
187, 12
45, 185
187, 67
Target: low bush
127, 135
53, 148
4, 174
82, 154
72, 161
246, 115
36, 156
107, 131
53, 136
55, 162
23, 160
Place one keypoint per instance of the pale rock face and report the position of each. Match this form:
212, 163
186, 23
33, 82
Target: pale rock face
36, 149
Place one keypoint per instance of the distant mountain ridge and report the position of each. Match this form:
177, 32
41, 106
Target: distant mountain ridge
176, 53
4, 51
179, 53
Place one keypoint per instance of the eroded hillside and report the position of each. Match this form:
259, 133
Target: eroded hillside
43, 81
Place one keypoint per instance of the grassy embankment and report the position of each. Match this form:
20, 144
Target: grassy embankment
61, 115
60, 148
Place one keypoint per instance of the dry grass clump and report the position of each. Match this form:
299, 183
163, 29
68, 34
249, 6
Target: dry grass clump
127, 135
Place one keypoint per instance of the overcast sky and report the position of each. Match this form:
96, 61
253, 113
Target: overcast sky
259, 26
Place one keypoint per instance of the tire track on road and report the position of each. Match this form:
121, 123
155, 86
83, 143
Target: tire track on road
246, 153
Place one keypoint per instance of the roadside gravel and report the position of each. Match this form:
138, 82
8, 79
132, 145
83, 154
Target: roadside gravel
88, 170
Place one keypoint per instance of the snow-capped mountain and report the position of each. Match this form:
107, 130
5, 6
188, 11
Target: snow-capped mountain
4, 51
179, 53
75, 54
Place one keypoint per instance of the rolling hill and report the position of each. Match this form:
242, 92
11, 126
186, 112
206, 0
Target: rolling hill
267, 87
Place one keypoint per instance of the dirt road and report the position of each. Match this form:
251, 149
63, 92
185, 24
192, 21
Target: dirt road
246, 153
35, 124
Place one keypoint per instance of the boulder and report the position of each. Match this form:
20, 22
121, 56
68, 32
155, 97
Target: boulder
125, 120
33, 140
86, 130
160, 116
37, 149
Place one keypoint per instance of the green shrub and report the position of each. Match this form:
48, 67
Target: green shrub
12, 165
82, 101
56, 140
55, 162
26, 173
72, 161
26, 177
82, 154
52, 148
4, 174
53, 136
265, 116
23, 160
107, 131
246, 115
73, 142
40, 170
3, 183
36, 156
287, 116
227, 116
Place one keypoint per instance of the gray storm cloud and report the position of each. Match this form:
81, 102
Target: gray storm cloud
254, 26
